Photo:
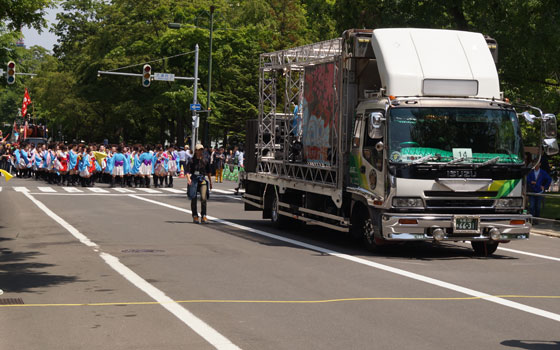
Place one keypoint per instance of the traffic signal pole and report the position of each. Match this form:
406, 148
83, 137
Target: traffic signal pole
169, 77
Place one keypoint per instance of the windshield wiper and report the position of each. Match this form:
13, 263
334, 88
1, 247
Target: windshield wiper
422, 160
489, 162
455, 161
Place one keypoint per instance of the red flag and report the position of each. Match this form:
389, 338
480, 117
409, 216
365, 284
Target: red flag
26, 102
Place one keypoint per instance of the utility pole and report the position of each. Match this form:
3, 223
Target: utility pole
206, 124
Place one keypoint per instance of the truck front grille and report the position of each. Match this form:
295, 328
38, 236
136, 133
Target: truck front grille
459, 203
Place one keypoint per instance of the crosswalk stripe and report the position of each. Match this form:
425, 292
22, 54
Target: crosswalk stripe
21, 189
124, 190
97, 190
173, 190
47, 189
149, 190
0, 189
72, 189
221, 191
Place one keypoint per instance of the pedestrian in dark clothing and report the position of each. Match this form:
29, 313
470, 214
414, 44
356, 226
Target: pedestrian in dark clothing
199, 180
538, 181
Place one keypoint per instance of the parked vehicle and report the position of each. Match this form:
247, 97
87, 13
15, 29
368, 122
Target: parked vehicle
392, 135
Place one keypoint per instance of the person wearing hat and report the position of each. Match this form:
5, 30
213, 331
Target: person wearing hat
199, 180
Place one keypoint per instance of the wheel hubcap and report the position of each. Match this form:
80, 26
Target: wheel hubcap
274, 212
369, 231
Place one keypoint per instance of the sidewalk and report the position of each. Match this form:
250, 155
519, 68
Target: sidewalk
546, 228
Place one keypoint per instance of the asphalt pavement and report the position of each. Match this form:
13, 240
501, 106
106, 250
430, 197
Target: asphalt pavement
114, 268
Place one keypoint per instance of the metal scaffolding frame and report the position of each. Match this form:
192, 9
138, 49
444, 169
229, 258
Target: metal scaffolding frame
286, 69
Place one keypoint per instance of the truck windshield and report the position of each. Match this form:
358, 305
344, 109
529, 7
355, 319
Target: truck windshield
461, 135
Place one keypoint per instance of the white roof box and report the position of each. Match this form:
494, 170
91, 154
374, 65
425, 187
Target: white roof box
435, 62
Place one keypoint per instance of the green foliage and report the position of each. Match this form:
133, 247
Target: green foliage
101, 35
24, 13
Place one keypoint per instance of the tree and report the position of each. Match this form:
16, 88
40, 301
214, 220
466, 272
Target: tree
17, 14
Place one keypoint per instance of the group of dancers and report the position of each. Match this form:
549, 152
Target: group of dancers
84, 165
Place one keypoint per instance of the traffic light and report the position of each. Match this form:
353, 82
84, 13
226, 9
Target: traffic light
146, 75
11, 73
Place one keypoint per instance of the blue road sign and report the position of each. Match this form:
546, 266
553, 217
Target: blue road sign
195, 107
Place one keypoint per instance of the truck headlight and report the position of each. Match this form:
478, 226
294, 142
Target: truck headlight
513, 202
404, 202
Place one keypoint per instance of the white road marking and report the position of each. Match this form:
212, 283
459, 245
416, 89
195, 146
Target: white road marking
174, 190
148, 190
124, 190
387, 268
21, 189
200, 327
72, 190
47, 189
222, 191
0, 189
530, 254
97, 190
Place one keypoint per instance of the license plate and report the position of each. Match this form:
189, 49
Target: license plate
466, 224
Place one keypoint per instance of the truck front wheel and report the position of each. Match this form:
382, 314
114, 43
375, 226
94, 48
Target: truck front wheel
363, 227
485, 248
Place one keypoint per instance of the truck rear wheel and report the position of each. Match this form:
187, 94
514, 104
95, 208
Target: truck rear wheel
485, 248
277, 220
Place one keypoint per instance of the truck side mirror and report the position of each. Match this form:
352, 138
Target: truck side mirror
375, 125
550, 146
530, 118
549, 126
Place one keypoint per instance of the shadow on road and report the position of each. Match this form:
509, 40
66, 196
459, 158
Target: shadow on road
532, 344
343, 243
18, 273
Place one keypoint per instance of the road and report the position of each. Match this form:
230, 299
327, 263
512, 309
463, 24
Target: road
116, 269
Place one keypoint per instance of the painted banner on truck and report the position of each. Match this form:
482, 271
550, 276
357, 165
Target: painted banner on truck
318, 114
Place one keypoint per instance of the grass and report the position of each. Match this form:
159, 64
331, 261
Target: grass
551, 209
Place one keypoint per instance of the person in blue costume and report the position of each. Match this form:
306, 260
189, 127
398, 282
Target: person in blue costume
72, 178
17, 160
24, 161
84, 164
110, 162
135, 169
127, 166
146, 166
118, 167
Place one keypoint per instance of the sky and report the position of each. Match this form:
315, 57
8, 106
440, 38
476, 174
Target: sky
46, 39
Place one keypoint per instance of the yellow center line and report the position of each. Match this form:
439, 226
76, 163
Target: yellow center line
216, 301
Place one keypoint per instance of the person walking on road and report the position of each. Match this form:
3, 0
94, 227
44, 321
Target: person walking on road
538, 181
199, 180
240, 174
219, 161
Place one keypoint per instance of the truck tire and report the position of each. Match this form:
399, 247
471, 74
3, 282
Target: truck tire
485, 248
277, 220
363, 227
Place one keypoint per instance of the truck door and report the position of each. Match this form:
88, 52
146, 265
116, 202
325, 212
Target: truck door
372, 154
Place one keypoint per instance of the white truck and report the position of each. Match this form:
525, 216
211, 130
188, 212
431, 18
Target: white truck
392, 135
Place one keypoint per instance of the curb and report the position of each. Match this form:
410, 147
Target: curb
546, 233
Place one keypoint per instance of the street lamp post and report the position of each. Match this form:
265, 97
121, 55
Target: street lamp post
209, 88
206, 124
195, 121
